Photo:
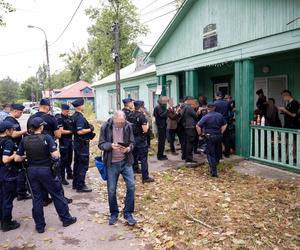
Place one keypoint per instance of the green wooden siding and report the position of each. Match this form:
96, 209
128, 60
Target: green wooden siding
238, 21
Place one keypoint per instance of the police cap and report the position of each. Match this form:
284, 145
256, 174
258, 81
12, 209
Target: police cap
259, 92
138, 104
211, 105
127, 100
78, 102
45, 101
65, 107
219, 94
16, 106
37, 122
6, 125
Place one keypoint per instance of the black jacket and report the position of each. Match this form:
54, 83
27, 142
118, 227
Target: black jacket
161, 114
189, 117
106, 140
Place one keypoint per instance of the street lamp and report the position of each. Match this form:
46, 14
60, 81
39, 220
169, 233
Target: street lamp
47, 56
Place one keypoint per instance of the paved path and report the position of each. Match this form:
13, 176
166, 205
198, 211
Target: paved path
90, 232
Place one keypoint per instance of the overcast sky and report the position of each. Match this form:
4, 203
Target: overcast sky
22, 49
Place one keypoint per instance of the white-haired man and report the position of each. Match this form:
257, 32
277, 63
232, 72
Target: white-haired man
117, 142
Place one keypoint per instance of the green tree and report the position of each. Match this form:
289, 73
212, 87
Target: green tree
30, 90
8, 90
79, 64
61, 79
100, 43
5, 7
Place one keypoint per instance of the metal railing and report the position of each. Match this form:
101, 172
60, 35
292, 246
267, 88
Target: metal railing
276, 146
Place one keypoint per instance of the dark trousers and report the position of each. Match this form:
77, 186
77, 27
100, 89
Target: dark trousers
226, 141
172, 134
162, 135
42, 178
81, 163
113, 174
8, 192
21, 183
140, 153
213, 152
190, 135
66, 157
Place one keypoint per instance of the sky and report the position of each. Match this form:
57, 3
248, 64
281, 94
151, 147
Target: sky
22, 49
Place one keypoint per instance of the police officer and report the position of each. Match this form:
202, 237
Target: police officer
50, 128
82, 136
40, 149
8, 177
212, 126
128, 106
140, 127
66, 125
16, 113
223, 107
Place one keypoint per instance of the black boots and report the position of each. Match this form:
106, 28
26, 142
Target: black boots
7, 226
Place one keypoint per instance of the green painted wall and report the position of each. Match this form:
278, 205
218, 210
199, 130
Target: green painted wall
102, 108
238, 21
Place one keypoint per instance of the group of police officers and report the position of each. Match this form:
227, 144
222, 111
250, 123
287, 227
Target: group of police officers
31, 166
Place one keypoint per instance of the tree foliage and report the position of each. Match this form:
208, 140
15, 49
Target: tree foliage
101, 40
79, 64
8, 90
5, 7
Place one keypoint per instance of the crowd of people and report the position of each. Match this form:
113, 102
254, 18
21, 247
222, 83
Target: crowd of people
266, 109
33, 167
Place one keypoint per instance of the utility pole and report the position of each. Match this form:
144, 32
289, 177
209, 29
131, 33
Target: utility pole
117, 61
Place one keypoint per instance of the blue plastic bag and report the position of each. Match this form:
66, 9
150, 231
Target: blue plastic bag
102, 168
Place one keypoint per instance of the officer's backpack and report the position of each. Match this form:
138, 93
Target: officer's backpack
36, 147
135, 119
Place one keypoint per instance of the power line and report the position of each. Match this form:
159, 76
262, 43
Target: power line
72, 17
150, 20
150, 4
161, 7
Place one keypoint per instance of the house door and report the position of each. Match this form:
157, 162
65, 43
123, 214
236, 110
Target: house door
272, 87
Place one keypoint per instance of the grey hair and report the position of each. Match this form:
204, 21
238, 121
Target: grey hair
118, 114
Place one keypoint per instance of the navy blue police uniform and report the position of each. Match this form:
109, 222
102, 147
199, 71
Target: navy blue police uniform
212, 124
22, 189
223, 107
38, 149
8, 181
125, 109
81, 149
50, 127
66, 144
140, 151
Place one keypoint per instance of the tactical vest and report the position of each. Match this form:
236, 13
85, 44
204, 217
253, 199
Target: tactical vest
46, 131
135, 119
36, 148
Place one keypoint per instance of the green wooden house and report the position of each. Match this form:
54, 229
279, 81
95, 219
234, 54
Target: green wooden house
238, 47
138, 81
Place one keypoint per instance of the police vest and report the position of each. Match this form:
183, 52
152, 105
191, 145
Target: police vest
68, 124
36, 148
135, 119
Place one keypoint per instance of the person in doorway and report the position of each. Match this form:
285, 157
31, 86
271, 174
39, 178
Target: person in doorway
261, 103
290, 110
160, 113
223, 107
40, 149
15, 114
117, 142
212, 126
272, 116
